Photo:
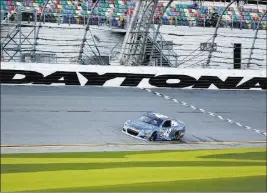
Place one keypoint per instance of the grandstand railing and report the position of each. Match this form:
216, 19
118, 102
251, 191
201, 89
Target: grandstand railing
182, 21
226, 23
113, 21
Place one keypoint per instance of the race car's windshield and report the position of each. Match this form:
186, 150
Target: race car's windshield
150, 120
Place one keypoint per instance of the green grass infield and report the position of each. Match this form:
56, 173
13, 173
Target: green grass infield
220, 170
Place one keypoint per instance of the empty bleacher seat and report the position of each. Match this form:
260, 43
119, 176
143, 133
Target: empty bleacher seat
122, 8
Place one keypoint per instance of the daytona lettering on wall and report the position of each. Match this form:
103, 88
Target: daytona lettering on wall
131, 80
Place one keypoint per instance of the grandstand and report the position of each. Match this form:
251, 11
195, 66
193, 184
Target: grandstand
186, 26
114, 12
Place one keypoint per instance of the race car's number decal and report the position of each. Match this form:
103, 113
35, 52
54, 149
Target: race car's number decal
168, 131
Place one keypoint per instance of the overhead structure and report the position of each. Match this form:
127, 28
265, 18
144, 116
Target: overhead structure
84, 40
141, 45
136, 35
158, 27
17, 43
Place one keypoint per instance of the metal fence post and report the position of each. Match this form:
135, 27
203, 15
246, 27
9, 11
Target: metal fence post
216, 30
85, 32
254, 40
19, 28
38, 27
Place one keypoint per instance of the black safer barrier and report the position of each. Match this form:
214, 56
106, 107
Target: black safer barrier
131, 79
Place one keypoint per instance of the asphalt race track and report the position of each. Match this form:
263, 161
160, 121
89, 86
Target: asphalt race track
60, 115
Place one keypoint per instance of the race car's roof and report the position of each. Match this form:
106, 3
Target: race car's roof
158, 115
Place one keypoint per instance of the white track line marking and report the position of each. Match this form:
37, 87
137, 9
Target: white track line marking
220, 117
193, 107
230, 121
256, 130
203, 111
238, 124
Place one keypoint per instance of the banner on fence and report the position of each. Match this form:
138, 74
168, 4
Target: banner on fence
122, 76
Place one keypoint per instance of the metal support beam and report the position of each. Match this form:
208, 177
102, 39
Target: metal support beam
39, 26
140, 22
85, 32
216, 30
130, 28
19, 16
132, 52
135, 55
254, 40
143, 44
158, 27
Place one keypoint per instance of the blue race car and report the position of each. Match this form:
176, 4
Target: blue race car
154, 126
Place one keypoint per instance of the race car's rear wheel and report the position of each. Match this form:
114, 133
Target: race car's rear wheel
153, 137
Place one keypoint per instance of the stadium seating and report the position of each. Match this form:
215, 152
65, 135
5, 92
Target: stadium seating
114, 10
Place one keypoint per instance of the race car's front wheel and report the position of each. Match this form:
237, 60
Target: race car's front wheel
177, 135
153, 137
